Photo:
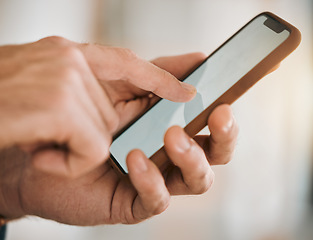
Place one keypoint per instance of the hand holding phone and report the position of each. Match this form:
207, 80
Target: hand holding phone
222, 78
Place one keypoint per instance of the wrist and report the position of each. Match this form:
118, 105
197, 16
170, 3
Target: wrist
12, 162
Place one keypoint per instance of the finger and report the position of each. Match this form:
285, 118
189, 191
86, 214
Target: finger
89, 85
50, 160
69, 118
78, 69
193, 174
89, 144
102, 102
153, 197
84, 143
180, 65
134, 108
110, 63
220, 145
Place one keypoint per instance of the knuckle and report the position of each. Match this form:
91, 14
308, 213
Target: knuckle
70, 53
206, 182
56, 40
127, 59
127, 54
165, 79
161, 205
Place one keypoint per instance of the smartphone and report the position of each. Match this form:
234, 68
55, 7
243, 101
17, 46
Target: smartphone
223, 77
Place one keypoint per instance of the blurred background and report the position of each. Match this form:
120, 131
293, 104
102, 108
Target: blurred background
266, 192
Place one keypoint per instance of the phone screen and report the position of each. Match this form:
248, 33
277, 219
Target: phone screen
217, 74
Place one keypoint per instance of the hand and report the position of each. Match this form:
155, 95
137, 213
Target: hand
101, 196
53, 106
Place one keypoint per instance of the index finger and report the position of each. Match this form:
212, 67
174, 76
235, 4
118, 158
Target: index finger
109, 63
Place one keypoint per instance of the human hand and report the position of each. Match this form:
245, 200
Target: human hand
53, 107
101, 196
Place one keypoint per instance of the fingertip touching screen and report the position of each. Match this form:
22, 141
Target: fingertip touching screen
217, 74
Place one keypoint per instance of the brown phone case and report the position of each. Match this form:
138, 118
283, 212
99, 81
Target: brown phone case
160, 157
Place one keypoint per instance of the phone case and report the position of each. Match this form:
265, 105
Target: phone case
160, 157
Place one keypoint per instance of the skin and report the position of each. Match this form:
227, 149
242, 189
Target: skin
61, 103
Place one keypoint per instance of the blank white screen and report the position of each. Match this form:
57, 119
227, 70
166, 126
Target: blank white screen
222, 70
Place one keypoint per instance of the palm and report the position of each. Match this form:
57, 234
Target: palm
98, 197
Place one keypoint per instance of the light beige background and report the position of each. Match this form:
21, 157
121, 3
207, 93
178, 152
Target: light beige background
263, 193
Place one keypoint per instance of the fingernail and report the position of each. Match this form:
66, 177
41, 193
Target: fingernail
141, 164
188, 87
184, 143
